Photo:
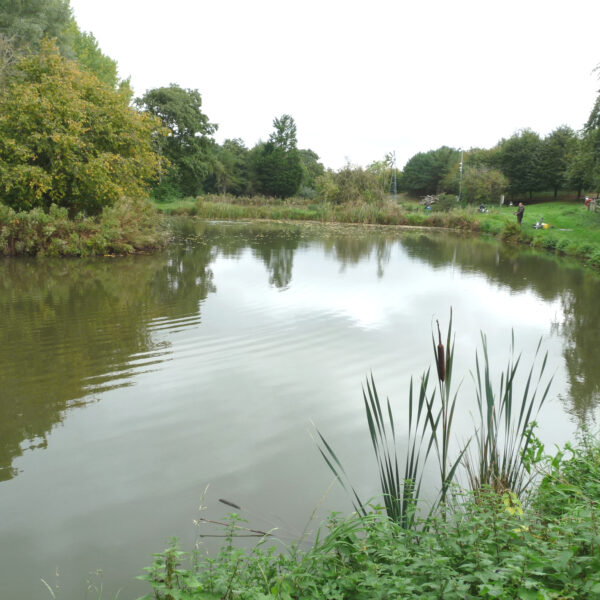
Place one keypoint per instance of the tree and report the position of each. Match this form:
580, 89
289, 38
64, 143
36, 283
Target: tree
425, 171
311, 169
482, 184
188, 147
580, 168
230, 168
351, 184
276, 164
27, 22
8, 59
590, 146
555, 152
89, 56
69, 140
520, 161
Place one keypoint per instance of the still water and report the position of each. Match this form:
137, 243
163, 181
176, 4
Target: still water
129, 385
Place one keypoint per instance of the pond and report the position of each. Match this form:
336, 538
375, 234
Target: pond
130, 384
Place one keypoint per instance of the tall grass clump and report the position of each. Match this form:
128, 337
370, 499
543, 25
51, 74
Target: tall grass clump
429, 428
506, 422
501, 438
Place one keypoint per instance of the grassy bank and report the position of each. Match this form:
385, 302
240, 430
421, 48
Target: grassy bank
488, 545
574, 231
129, 226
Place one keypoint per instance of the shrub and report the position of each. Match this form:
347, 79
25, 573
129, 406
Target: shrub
130, 225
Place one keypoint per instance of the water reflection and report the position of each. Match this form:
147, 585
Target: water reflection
358, 245
73, 329
576, 289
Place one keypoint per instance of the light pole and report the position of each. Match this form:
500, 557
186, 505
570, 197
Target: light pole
460, 170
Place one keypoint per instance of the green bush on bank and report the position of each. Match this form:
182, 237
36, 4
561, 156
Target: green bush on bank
130, 225
487, 546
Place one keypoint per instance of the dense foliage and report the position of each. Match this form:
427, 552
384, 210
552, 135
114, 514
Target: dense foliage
66, 139
188, 143
276, 164
126, 227
24, 24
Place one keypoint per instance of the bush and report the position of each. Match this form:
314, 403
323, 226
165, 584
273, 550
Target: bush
130, 225
511, 232
445, 203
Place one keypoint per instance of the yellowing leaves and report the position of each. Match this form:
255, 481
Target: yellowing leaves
68, 139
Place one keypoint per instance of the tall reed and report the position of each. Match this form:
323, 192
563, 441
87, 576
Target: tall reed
429, 427
502, 436
506, 422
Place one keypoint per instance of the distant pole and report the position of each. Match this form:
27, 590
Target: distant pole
460, 169
393, 183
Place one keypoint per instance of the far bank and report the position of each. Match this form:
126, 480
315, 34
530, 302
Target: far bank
570, 229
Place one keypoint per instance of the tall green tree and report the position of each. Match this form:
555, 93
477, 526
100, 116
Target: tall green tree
88, 54
230, 168
189, 145
311, 169
555, 152
482, 184
67, 139
24, 23
590, 146
520, 160
580, 168
276, 164
424, 172
27, 22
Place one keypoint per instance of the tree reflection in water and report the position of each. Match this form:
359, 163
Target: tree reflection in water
72, 329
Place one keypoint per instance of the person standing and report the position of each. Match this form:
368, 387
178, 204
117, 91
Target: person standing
520, 212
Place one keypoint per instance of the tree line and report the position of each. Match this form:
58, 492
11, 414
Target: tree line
72, 134
520, 165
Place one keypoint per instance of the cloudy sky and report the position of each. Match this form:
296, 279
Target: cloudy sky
363, 78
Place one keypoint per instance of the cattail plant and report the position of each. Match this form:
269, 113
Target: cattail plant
429, 427
502, 435
441, 424
505, 428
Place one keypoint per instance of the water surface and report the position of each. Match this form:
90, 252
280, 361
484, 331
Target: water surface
127, 385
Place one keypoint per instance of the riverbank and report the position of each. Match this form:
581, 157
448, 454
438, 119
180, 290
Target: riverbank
573, 231
130, 226
486, 545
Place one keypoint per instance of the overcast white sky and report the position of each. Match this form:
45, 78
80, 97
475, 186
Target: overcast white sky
363, 78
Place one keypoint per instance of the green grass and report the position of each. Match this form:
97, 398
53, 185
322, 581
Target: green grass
574, 231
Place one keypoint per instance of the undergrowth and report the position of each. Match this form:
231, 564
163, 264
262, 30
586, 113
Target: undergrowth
131, 225
488, 545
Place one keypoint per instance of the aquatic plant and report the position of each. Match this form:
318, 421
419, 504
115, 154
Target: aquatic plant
502, 436
506, 424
